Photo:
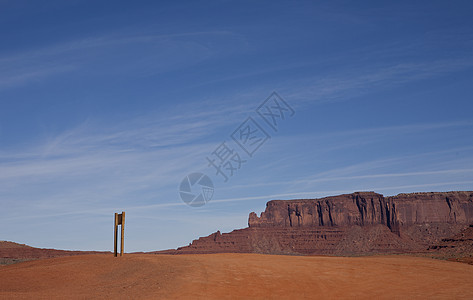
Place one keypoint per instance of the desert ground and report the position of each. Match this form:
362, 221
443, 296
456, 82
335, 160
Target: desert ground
245, 276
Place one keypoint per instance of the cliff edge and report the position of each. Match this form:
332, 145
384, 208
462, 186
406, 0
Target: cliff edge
350, 224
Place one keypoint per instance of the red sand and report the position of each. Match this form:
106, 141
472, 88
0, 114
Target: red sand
245, 276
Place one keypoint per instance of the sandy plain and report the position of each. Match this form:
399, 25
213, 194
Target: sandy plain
236, 276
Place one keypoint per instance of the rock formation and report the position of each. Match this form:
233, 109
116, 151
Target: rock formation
362, 222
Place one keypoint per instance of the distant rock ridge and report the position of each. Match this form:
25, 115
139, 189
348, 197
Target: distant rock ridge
11, 252
361, 222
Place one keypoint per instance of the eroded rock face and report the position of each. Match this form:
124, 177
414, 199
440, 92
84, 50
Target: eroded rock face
368, 208
360, 209
346, 224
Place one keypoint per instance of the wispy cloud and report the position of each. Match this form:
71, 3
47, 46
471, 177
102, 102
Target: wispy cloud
133, 54
354, 81
438, 186
287, 172
95, 161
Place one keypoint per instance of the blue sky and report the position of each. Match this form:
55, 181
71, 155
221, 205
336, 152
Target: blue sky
107, 106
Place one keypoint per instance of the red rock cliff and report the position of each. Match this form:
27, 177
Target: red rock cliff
368, 208
362, 222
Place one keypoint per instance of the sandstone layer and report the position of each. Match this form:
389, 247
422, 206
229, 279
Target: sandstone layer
358, 223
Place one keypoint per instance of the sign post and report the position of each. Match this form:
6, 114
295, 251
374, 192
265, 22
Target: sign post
119, 220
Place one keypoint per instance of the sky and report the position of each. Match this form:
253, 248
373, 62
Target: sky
110, 106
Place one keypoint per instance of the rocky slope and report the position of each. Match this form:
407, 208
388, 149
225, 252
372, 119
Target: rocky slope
457, 248
13, 252
351, 224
